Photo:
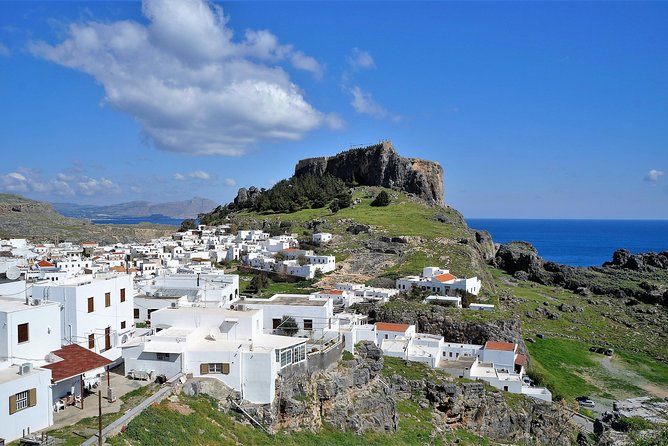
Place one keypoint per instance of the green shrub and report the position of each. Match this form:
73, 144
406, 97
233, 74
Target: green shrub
382, 199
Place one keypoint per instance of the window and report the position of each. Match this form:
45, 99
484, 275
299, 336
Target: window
136, 312
91, 341
163, 356
122, 325
308, 324
299, 353
23, 332
122, 294
215, 367
286, 357
107, 299
22, 400
91, 304
107, 338
275, 323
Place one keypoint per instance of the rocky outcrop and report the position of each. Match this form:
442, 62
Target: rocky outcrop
434, 319
381, 165
622, 258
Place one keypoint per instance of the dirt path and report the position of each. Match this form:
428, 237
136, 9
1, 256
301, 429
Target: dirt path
615, 367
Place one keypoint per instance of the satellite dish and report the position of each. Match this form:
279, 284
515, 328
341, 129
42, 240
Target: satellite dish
213, 333
13, 273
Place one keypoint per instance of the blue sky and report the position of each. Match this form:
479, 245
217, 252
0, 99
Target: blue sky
535, 110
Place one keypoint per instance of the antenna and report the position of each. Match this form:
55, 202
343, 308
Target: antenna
13, 273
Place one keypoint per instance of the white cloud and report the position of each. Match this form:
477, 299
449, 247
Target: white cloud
653, 175
230, 182
179, 177
364, 103
191, 87
361, 59
4, 51
31, 181
91, 186
200, 175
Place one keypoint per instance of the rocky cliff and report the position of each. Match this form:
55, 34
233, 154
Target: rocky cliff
381, 165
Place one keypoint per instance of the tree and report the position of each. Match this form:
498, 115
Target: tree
258, 283
301, 260
345, 200
382, 199
318, 274
279, 257
334, 206
288, 326
187, 225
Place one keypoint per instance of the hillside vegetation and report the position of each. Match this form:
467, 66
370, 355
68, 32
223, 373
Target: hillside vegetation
372, 242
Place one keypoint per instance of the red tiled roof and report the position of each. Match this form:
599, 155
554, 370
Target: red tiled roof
503, 346
76, 360
334, 292
445, 277
45, 264
89, 243
290, 249
521, 360
385, 326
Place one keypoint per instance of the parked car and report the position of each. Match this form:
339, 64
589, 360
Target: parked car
540, 335
585, 401
527, 380
609, 352
600, 350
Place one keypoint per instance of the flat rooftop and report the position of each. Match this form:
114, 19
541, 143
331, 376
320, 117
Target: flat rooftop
287, 299
10, 305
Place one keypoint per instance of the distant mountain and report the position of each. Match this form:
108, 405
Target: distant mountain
137, 209
21, 217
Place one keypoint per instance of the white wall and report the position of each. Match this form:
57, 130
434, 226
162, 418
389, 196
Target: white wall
33, 418
43, 332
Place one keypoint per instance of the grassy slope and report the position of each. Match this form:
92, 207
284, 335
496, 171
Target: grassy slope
403, 217
563, 358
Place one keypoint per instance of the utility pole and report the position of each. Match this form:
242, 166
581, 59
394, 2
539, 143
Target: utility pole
99, 417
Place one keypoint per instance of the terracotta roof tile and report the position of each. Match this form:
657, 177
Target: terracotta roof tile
76, 360
445, 277
503, 346
521, 360
334, 292
385, 326
45, 264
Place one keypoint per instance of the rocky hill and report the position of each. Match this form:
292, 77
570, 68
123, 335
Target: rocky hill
24, 218
381, 165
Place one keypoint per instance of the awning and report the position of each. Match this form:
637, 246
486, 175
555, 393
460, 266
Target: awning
76, 361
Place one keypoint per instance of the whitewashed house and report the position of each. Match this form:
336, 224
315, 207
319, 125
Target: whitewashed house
320, 238
439, 281
228, 345
97, 310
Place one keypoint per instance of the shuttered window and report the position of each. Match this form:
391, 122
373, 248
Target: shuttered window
122, 294
203, 369
91, 304
107, 299
122, 325
22, 400
226, 368
23, 333
136, 313
91, 341
308, 324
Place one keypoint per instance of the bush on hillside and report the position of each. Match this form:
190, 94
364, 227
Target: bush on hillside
382, 199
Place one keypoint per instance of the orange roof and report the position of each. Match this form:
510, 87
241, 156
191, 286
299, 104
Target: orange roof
121, 269
385, 326
445, 277
335, 292
89, 243
503, 346
45, 264
290, 249
520, 360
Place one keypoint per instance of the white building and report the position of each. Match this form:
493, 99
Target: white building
320, 238
228, 345
97, 311
314, 316
439, 281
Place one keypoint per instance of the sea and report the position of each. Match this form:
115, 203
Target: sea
579, 242
157, 219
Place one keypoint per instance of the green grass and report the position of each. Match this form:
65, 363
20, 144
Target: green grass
75, 434
563, 361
